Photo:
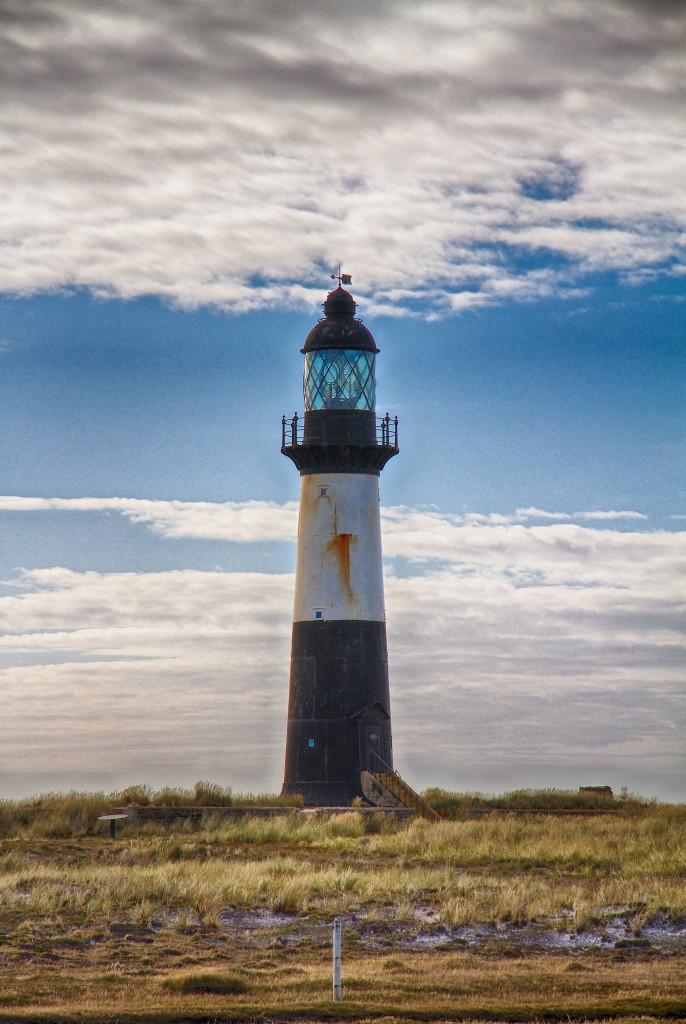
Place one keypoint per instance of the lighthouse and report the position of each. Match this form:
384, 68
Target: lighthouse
339, 714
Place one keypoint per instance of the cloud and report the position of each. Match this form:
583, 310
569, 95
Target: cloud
555, 550
512, 647
241, 522
611, 515
227, 154
259, 521
539, 513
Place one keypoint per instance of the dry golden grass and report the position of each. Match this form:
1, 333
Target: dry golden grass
284, 986
63, 815
76, 912
498, 868
205, 886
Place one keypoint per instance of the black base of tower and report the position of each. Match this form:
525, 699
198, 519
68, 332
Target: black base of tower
321, 794
339, 712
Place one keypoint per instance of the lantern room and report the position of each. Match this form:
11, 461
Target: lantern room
340, 355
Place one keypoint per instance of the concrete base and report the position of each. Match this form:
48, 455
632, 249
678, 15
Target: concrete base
137, 815
397, 813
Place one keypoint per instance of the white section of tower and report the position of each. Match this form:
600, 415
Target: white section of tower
339, 572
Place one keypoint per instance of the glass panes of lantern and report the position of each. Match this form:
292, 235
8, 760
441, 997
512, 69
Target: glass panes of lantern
339, 379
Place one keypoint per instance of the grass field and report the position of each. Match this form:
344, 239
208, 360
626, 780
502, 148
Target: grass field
498, 918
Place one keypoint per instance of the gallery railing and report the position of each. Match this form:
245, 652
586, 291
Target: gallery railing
292, 430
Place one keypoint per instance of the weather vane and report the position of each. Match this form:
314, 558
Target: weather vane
341, 278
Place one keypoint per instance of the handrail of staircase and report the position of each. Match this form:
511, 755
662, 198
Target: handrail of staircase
420, 801
384, 763
395, 771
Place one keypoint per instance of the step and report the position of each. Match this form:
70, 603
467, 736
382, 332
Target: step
407, 796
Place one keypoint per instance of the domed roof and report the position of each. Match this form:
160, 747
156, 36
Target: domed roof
339, 328
339, 302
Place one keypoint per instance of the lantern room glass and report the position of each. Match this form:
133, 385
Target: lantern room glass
339, 379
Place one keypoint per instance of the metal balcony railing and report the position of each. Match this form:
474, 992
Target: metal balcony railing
292, 429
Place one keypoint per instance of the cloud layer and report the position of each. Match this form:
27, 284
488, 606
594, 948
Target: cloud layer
517, 649
230, 153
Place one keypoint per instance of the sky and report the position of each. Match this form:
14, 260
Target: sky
504, 182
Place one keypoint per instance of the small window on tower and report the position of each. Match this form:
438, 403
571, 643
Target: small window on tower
318, 614
310, 741
323, 491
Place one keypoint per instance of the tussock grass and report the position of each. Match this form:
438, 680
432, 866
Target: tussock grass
208, 885
655, 843
89, 927
74, 814
460, 804
64, 815
488, 870
438, 987
212, 983
55, 815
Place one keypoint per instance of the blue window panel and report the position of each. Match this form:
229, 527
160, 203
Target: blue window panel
339, 379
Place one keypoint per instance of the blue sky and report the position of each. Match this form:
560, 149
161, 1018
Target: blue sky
506, 191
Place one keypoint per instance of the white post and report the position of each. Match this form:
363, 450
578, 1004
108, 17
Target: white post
336, 960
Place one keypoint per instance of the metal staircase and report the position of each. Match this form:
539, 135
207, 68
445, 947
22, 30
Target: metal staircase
404, 795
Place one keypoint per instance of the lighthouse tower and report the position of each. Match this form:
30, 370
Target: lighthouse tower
339, 715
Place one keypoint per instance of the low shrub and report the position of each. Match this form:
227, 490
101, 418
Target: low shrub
52, 815
462, 804
209, 983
